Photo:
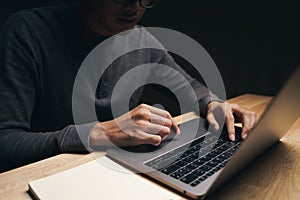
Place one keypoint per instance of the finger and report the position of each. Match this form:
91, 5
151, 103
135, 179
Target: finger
164, 114
152, 128
253, 119
159, 111
175, 127
229, 119
238, 112
160, 130
136, 137
212, 121
146, 138
246, 125
157, 119
252, 124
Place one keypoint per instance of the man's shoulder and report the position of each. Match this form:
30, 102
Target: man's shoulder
34, 17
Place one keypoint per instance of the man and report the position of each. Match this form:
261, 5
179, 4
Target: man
41, 51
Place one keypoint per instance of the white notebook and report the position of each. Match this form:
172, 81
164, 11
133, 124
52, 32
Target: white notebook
99, 179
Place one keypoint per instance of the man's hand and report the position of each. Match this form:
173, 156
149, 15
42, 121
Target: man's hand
233, 113
142, 125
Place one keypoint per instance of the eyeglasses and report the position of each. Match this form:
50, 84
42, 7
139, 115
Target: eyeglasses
144, 3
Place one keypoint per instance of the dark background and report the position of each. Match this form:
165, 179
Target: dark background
255, 44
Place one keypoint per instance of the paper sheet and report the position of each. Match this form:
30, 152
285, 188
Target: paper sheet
96, 180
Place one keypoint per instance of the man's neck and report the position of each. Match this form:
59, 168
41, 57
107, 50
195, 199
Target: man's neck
91, 21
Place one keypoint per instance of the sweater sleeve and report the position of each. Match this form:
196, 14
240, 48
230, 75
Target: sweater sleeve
203, 95
19, 88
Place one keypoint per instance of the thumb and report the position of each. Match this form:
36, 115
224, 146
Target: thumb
212, 121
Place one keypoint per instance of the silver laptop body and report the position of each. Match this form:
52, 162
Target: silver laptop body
273, 125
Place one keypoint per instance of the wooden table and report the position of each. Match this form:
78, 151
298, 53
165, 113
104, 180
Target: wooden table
275, 175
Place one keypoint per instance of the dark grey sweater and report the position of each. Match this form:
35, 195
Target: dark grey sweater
41, 51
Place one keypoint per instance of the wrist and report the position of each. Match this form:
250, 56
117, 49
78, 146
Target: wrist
99, 135
206, 100
211, 105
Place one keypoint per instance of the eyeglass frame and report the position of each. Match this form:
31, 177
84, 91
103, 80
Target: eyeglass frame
140, 1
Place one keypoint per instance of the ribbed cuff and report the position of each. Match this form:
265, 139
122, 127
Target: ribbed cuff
204, 101
76, 138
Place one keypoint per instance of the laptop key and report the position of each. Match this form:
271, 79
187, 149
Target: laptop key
218, 151
170, 169
197, 147
198, 172
212, 163
195, 183
212, 154
194, 156
217, 160
192, 166
215, 169
162, 165
205, 158
219, 167
202, 178
198, 155
210, 173
228, 153
188, 160
235, 148
199, 162
177, 175
223, 156
186, 154
223, 148
205, 167
180, 163
184, 170
203, 151
189, 178
222, 164
221, 141
229, 144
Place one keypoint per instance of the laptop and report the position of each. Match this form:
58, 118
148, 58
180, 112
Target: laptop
197, 166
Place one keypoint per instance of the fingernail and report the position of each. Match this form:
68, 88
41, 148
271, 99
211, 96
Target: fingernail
157, 140
245, 135
178, 132
232, 137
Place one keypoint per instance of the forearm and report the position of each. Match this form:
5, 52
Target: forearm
19, 147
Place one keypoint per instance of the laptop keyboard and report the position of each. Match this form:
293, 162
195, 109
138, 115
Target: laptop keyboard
194, 162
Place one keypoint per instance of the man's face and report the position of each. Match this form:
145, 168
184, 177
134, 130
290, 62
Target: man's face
113, 17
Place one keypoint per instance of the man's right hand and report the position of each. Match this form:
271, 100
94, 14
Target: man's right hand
142, 125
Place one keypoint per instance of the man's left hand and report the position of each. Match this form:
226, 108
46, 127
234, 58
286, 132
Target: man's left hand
233, 113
